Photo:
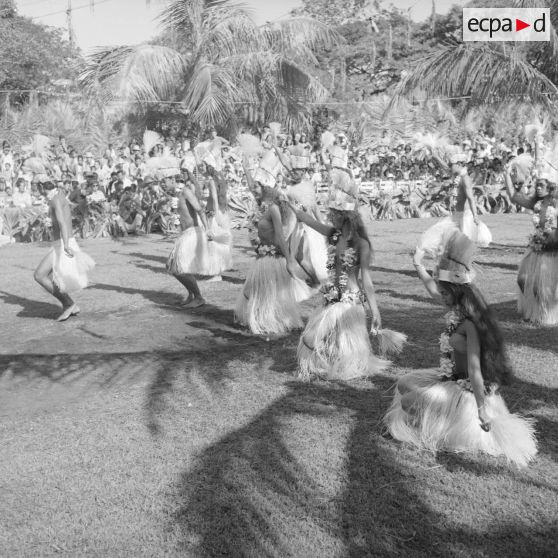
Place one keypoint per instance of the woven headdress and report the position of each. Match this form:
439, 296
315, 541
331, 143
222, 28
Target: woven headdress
456, 263
343, 200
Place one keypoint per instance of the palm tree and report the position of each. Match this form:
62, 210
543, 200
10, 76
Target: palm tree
217, 61
489, 72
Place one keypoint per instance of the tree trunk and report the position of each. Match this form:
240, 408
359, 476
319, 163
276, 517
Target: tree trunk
6, 108
343, 75
390, 44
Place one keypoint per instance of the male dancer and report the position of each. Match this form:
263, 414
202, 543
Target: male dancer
64, 269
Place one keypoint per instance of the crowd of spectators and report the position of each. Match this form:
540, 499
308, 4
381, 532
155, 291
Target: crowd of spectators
119, 181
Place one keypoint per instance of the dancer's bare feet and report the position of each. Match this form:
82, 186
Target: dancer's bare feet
72, 310
188, 301
195, 303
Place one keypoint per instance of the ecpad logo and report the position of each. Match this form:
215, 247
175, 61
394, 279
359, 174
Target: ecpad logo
506, 24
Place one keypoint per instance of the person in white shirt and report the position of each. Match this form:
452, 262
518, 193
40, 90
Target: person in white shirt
21, 197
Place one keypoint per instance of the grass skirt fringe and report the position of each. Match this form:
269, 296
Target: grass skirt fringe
538, 297
335, 345
219, 249
480, 234
190, 254
341, 179
267, 304
315, 252
444, 416
70, 274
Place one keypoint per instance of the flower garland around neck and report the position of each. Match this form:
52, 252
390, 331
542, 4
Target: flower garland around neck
453, 320
252, 226
545, 226
335, 290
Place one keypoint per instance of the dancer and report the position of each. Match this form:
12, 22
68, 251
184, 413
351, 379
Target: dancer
190, 256
220, 250
538, 271
465, 208
268, 304
335, 344
308, 245
458, 407
64, 269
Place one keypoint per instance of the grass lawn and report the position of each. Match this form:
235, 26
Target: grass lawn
142, 429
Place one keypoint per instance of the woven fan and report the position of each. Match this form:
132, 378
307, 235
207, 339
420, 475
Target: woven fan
34, 164
249, 144
40, 144
275, 128
327, 139
302, 193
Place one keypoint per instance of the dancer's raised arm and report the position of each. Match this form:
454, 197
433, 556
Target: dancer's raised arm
307, 219
425, 277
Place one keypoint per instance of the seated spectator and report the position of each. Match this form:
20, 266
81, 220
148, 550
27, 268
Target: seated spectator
96, 195
130, 216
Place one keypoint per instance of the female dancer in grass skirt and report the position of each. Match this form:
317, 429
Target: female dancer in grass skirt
458, 407
308, 245
220, 250
335, 344
538, 271
268, 303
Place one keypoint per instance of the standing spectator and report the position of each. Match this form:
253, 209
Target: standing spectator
4, 201
21, 197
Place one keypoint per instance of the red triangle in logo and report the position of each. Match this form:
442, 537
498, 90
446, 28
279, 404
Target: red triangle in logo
519, 25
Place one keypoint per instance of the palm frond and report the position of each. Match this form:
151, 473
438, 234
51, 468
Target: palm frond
143, 72
485, 74
211, 94
549, 50
301, 35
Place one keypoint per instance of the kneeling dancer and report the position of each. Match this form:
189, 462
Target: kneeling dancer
458, 407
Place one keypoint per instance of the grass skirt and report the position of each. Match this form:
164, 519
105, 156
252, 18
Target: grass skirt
267, 304
341, 179
480, 234
190, 254
335, 345
220, 248
315, 252
444, 416
70, 274
538, 279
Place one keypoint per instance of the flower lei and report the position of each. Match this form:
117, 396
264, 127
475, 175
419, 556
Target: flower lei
447, 366
335, 288
252, 226
540, 239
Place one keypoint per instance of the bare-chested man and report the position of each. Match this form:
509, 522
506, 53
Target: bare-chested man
190, 255
64, 269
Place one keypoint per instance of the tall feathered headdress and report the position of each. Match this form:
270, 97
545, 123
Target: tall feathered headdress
150, 140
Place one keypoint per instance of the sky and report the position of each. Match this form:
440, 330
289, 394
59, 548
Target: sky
120, 22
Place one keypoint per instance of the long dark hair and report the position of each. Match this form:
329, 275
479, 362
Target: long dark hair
468, 299
353, 221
